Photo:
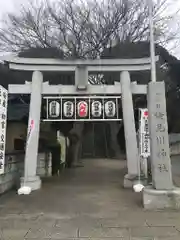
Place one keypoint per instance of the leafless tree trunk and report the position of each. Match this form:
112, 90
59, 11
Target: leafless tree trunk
77, 130
114, 129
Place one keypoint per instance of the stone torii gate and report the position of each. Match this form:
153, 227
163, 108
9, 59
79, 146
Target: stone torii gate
82, 68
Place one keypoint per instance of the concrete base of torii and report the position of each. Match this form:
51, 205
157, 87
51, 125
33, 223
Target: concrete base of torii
130, 180
161, 199
33, 182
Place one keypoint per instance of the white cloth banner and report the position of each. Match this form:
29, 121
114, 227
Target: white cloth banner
30, 130
144, 139
3, 120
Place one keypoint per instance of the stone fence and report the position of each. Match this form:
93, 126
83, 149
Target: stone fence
14, 169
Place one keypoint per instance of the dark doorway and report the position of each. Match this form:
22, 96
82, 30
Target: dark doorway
95, 141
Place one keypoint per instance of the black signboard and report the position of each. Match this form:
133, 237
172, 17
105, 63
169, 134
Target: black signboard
82, 108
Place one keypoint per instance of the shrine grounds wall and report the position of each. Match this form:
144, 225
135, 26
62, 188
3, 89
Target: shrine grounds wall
14, 169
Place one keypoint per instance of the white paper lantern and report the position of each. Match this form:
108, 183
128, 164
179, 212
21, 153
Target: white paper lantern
54, 109
82, 109
110, 109
68, 109
96, 108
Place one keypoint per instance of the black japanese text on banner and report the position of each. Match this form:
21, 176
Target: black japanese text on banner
3, 120
144, 139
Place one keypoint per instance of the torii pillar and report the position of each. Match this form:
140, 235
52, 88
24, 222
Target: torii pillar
129, 130
30, 178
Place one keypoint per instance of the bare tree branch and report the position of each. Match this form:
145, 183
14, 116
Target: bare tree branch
84, 29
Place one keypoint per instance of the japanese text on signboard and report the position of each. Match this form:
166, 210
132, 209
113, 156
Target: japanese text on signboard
3, 118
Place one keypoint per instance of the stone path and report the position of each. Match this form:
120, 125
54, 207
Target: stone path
85, 204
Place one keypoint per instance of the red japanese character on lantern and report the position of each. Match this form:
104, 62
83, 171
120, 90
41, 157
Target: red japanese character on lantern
82, 109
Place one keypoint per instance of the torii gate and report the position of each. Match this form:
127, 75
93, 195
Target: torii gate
82, 68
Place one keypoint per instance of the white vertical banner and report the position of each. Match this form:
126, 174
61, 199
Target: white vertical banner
3, 124
30, 130
144, 139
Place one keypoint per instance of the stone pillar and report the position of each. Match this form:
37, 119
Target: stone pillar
129, 129
31, 179
81, 78
162, 194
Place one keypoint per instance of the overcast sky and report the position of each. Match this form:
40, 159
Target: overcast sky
13, 5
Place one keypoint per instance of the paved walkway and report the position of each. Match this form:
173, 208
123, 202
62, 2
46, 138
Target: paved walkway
85, 203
